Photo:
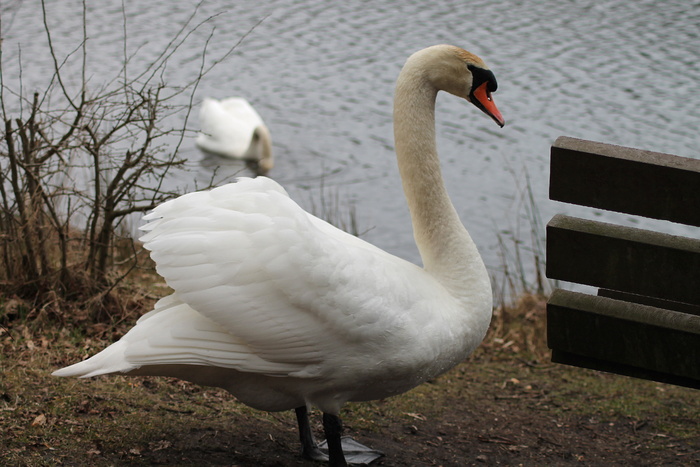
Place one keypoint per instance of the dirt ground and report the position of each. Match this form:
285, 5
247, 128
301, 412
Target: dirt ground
503, 406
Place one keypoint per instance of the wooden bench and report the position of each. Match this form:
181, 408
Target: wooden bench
645, 319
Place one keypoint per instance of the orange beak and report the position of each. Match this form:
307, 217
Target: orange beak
485, 103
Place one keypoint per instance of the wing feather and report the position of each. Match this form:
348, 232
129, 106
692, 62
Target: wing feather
275, 278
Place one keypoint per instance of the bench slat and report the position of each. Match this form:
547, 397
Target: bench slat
624, 259
651, 301
626, 338
632, 181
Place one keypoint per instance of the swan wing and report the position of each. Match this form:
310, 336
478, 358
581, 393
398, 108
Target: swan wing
277, 279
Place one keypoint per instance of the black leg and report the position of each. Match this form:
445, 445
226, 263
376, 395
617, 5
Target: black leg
336, 450
309, 448
333, 428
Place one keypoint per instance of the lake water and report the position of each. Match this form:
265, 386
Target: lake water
321, 74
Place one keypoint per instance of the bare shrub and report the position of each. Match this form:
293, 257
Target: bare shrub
78, 161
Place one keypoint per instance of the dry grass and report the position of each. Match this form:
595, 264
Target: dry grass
521, 327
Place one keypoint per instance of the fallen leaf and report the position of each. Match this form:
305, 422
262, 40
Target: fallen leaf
40, 420
159, 445
416, 416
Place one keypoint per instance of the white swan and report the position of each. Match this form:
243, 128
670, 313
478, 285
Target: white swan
285, 311
232, 128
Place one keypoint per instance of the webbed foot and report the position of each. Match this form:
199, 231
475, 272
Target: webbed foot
354, 452
342, 450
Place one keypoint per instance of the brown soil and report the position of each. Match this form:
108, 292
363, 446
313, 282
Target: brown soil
507, 405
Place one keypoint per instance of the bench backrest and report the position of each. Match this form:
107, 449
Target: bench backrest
645, 321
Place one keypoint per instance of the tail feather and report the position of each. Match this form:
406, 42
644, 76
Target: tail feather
110, 360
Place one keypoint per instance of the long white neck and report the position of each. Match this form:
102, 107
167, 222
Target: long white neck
447, 250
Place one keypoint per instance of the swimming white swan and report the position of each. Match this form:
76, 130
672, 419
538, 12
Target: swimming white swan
232, 128
285, 311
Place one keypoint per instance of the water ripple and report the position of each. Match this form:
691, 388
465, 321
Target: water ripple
322, 74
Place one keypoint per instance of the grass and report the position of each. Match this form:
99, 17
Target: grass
138, 421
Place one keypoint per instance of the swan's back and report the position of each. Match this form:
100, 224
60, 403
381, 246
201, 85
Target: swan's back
227, 127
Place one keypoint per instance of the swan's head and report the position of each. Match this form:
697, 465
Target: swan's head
461, 73
262, 166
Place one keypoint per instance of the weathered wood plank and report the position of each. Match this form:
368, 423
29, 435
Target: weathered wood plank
626, 338
616, 178
624, 259
651, 301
